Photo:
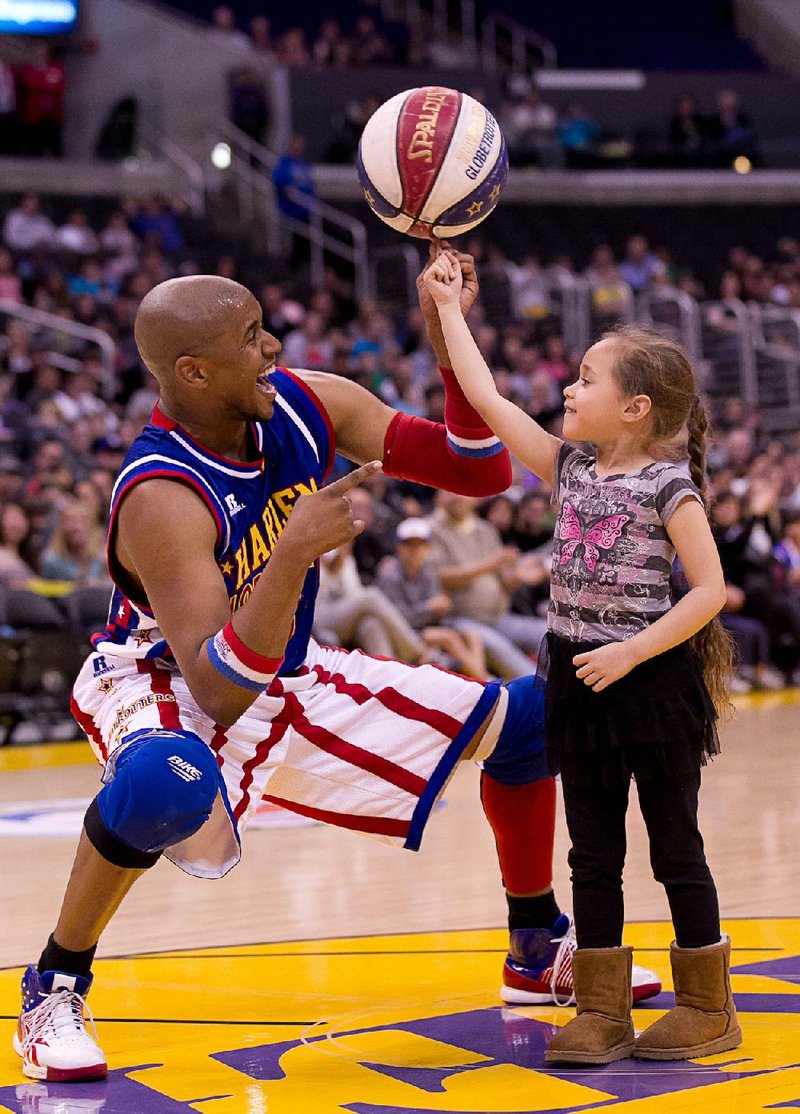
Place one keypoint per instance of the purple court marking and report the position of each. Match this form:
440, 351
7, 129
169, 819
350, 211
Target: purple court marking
504, 1038
786, 969
116, 1095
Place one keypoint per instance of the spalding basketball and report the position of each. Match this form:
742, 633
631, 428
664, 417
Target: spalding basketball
432, 162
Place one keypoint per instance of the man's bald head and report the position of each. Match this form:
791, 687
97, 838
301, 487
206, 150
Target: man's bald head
185, 317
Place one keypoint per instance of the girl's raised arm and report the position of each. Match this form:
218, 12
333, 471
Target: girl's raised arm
524, 437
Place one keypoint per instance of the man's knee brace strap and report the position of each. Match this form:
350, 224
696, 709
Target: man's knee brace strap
162, 792
519, 756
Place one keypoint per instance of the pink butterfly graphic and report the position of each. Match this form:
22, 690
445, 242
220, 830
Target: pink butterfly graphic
603, 534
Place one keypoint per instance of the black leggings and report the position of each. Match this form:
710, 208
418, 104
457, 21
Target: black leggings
596, 822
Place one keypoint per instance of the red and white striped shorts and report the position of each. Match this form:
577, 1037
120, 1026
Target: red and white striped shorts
364, 743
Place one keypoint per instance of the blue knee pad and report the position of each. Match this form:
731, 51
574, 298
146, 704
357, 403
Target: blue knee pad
163, 790
519, 756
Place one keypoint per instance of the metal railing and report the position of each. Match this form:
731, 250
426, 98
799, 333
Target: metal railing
508, 46
674, 312
176, 156
727, 343
502, 44
52, 323
776, 339
571, 299
327, 230
404, 263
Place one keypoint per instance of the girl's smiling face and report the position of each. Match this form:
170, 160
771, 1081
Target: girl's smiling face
593, 404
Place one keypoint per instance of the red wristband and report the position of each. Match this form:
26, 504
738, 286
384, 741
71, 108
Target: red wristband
460, 416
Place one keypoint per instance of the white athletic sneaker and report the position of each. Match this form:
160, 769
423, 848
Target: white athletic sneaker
51, 1035
538, 968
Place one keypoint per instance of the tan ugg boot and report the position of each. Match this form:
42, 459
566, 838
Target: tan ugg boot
703, 1020
602, 1031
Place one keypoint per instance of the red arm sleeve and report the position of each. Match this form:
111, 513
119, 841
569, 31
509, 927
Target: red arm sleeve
463, 455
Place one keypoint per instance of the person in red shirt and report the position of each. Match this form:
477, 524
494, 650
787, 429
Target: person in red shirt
40, 87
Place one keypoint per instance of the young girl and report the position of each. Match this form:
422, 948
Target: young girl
632, 682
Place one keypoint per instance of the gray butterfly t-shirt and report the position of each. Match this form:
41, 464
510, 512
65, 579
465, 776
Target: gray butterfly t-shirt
612, 557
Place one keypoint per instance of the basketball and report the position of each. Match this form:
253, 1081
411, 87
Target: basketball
432, 162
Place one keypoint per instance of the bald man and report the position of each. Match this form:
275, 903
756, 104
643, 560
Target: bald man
206, 694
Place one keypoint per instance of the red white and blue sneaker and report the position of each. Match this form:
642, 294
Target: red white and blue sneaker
538, 968
51, 1035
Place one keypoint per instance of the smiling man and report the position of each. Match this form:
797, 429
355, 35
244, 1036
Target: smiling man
206, 694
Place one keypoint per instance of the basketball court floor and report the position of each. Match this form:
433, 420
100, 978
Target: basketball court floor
330, 973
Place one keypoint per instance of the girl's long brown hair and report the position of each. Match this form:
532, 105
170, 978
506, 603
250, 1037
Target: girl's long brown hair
653, 365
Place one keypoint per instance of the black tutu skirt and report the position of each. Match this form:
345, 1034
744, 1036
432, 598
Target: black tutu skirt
658, 721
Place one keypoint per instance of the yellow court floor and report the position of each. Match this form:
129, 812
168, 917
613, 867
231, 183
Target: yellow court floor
329, 973
390, 1025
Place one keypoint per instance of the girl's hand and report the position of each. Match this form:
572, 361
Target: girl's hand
601, 667
443, 280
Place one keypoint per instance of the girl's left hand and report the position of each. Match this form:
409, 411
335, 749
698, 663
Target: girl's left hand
602, 667
443, 279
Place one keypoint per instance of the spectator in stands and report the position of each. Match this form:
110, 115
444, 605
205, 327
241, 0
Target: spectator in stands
499, 512
26, 227
610, 293
261, 35
578, 134
453, 52
116, 239
77, 397
77, 549
10, 476
348, 126
641, 265
529, 126
730, 286
529, 292
76, 236
308, 346
325, 48
787, 554
280, 313
248, 106
368, 44
223, 24
293, 180
117, 137
9, 122
349, 614
730, 131
10, 284
14, 417
480, 573
534, 521
292, 49
745, 547
16, 559
157, 222
91, 280
375, 540
687, 133
409, 579
40, 89
555, 362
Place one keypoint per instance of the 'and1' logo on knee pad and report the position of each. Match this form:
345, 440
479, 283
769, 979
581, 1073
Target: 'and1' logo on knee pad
183, 768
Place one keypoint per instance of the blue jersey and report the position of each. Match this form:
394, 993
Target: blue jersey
250, 503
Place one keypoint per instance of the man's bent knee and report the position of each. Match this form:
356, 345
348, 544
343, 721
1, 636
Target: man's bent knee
519, 756
162, 792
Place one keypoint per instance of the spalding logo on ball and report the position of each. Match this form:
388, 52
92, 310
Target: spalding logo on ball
432, 162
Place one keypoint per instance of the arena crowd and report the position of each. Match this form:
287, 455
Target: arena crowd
433, 577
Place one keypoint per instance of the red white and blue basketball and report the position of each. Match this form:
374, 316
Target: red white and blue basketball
432, 162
